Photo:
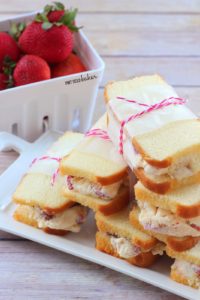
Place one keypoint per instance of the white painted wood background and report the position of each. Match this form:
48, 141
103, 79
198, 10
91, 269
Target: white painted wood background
133, 37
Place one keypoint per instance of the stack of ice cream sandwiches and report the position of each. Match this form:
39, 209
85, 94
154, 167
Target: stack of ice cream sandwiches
97, 177
159, 138
81, 172
147, 133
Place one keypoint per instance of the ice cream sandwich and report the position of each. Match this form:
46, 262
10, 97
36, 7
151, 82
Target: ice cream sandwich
118, 238
155, 131
40, 202
173, 218
95, 174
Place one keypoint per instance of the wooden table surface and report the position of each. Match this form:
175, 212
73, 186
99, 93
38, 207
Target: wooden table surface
133, 37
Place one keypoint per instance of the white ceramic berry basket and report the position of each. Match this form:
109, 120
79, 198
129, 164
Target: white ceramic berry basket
63, 103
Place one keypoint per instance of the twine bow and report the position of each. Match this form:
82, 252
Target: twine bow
147, 109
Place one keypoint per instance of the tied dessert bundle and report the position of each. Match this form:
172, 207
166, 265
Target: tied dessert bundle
40, 50
138, 169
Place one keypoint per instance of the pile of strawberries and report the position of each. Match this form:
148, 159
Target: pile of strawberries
40, 50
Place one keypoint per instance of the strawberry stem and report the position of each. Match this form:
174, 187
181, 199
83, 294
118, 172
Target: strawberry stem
16, 30
47, 25
68, 19
55, 7
8, 68
59, 6
41, 18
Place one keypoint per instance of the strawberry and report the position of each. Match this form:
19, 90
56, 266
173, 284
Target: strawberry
8, 47
3, 81
54, 11
50, 34
53, 45
29, 69
71, 65
55, 16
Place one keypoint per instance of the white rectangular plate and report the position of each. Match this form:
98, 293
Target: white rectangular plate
81, 244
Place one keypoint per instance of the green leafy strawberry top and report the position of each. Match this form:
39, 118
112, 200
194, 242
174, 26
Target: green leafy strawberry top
16, 30
8, 68
55, 6
67, 18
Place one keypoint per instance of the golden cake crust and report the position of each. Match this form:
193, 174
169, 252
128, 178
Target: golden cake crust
107, 207
142, 260
176, 243
21, 215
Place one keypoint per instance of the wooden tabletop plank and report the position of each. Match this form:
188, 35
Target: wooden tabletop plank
5, 236
106, 6
179, 71
6, 158
43, 273
143, 35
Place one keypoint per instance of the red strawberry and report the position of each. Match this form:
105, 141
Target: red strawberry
50, 35
31, 68
53, 45
54, 11
8, 48
71, 65
3, 81
56, 15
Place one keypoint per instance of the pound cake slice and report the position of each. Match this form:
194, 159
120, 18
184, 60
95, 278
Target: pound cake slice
118, 238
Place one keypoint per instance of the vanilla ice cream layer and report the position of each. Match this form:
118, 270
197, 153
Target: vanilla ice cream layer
187, 270
70, 219
165, 222
119, 110
86, 187
125, 249
183, 167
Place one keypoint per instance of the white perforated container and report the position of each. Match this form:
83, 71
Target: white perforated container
63, 103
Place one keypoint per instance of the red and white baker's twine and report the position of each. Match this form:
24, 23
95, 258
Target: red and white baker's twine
147, 109
98, 133
94, 132
57, 159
